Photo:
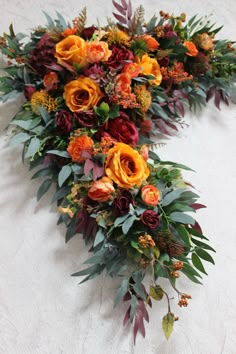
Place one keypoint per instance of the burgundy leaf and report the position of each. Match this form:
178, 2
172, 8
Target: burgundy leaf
171, 107
210, 93
120, 18
127, 316
88, 166
171, 125
197, 227
197, 206
68, 67
217, 99
224, 98
138, 326
119, 7
55, 67
124, 4
129, 12
180, 93
127, 296
179, 105
98, 171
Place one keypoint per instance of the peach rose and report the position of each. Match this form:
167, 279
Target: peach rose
82, 94
192, 49
149, 66
132, 69
150, 195
101, 190
125, 166
71, 50
79, 145
97, 51
205, 41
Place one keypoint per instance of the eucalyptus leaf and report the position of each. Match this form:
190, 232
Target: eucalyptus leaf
182, 218
33, 147
122, 291
64, 174
20, 138
44, 188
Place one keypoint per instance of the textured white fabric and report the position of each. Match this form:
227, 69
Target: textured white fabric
42, 310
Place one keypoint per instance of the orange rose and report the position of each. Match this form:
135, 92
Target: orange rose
97, 51
150, 195
192, 49
101, 190
132, 69
123, 81
82, 94
205, 41
151, 42
71, 50
149, 66
79, 145
125, 166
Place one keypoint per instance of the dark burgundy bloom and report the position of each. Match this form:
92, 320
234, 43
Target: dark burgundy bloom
122, 202
88, 32
119, 56
86, 225
86, 119
164, 61
150, 218
120, 129
29, 90
43, 55
64, 122
95, 72
200, 64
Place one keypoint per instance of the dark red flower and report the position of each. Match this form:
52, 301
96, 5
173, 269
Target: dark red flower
150, 218
86, 119
120, 129
43, 55
87, 32
29, 90
119, 57
121, 204
95, 72
63, 122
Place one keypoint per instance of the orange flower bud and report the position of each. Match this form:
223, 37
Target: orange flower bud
150, 195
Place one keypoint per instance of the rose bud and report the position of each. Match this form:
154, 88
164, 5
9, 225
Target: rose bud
64, 122
101, 190
150, 195
144, 152
150, 218
121, 203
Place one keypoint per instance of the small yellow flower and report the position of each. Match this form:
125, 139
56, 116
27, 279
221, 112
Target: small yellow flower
41, 98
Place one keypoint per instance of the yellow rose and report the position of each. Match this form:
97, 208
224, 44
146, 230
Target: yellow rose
125, 166
71, 50
149, 66
82, 94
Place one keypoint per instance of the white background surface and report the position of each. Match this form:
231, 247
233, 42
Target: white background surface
42, 310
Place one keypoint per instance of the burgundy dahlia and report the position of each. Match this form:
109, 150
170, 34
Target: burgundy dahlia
43, 55
87, 32
86, 119
119, 56
120, 129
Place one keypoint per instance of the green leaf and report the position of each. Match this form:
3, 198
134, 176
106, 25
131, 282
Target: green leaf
60, 193
171, 196
205, 255
198, 263
133, 305
202, 245
20, 138
44, 172
64, 174
44, 188
182, 218
168, 324
196, 233
122, 291
44, 114
61, 20
138, 288
120, 220
49, 20
128, 223
184, 235
58, 153
71, 229
177, 165
26, 124
153, 156
156, 292
100, 237
33, 147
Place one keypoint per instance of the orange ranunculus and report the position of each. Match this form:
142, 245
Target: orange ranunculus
132, 69
101, 190
149, 66
50, 81
97, 51
192, 49
79, 145
82, 94
151, 42
150, 195
205, 41
125, 166
71, 50
69, 32
123, 81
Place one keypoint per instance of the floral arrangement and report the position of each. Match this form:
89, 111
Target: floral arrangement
95, 100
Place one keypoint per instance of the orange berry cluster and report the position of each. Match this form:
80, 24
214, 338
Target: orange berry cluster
146, 241
184, 300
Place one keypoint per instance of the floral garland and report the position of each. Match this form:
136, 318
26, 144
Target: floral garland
95, 98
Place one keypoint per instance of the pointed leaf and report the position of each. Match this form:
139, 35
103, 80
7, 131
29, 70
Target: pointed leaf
168, 324
44, 188
64, 174
198, 263
122, 291
205, 255
19, 138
